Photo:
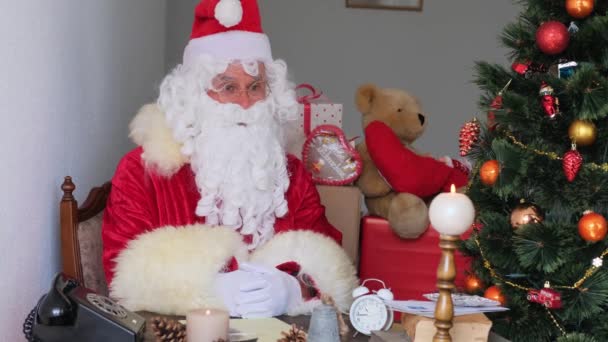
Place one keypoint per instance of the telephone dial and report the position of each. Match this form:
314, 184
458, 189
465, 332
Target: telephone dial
70, 312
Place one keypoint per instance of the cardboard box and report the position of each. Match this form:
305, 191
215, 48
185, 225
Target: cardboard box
466, 328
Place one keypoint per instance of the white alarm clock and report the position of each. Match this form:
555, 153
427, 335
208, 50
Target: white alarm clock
369, 312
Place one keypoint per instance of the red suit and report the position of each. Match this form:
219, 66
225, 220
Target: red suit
159, 256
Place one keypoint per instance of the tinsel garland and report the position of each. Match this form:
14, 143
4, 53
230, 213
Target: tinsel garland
553, 155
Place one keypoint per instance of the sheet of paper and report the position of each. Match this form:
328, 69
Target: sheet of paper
427, 308
266, 329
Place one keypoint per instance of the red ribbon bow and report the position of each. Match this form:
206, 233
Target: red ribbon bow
306, 100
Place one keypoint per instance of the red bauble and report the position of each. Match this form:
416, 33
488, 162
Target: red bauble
469, 134
472, 284
494, 293
592, 227
571, 163
489, 171
552, 37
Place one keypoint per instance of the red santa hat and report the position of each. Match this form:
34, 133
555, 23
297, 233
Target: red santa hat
228, 30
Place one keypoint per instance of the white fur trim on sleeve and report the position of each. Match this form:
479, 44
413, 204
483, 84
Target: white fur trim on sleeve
172, 270
162, 152
318, 256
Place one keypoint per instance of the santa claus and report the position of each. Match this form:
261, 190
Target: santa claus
209, 211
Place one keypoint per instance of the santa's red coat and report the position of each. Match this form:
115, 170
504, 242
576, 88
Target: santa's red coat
142, 201
159, 256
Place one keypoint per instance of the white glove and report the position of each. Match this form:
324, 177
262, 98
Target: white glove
229, 285
258, 291
281, 293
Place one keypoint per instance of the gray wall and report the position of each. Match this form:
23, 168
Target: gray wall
429, 53
73, 73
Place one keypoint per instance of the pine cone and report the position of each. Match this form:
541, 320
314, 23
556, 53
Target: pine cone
571, 163
469, 134
168, 330
294, 334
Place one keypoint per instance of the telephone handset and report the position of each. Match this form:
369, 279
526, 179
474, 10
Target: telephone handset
70, 312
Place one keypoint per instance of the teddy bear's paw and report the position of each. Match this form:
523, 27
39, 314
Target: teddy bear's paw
408, 216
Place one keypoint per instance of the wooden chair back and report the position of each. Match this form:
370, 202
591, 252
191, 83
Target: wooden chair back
74, 227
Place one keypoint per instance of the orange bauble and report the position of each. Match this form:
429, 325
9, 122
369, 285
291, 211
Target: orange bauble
489, 172
592, 227
579, 9
472, 284
494, 293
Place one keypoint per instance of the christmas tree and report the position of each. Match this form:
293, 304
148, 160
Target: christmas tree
540, 175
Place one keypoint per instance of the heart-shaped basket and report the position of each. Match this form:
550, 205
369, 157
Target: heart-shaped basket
330, 157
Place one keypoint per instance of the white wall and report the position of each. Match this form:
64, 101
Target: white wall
429, 53
73, 74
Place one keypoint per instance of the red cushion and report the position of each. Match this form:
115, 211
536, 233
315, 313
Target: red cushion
408, 267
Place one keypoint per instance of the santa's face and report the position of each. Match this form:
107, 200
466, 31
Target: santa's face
230, 130
237, 86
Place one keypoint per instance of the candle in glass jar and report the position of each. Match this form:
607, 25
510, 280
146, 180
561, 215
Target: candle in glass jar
207, 325
451, 213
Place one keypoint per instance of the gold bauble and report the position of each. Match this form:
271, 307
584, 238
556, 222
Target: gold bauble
582, 132
579, 9
526, 213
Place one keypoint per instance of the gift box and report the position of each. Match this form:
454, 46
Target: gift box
466, 328
407, 266
314, 110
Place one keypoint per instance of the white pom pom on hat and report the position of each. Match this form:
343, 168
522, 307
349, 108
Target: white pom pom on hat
229, 12
228, 30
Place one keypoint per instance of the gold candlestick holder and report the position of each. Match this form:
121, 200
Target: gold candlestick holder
446, 272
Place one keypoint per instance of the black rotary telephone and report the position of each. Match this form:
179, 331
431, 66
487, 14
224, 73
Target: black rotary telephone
70, 312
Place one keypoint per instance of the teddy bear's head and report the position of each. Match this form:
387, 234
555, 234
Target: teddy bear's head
397, 108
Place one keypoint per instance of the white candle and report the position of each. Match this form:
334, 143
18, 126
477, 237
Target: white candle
451, 213
207, 325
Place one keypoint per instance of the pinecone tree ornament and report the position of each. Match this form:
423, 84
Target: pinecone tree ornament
168, 330
469, 134
294, 334
571, 163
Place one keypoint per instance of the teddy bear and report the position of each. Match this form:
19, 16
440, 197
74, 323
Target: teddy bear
397, 182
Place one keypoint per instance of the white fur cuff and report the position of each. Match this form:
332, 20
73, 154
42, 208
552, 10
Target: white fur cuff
172, 270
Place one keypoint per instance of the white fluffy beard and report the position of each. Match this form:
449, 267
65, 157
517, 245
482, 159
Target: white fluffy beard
240, 168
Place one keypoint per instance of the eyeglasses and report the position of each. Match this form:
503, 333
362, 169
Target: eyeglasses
231, 91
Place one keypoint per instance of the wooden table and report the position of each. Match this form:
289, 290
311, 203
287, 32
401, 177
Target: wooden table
300, 321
